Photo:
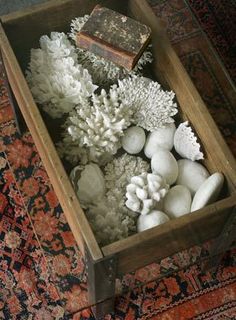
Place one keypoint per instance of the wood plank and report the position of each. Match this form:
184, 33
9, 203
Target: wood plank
58, 177
176, 235
167, 63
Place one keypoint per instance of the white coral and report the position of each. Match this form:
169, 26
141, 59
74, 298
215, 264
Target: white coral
102, 70
153, 106
100, 124
145, 192
56, 80
110, 219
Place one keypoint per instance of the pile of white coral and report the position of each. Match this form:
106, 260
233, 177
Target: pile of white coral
120, 193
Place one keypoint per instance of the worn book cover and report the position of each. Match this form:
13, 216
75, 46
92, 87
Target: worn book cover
114, 36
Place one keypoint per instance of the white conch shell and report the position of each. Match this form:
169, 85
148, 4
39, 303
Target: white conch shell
185, 143
154, 218
208, 191
91, 185
145, 192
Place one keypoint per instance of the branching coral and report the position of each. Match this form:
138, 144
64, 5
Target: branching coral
99, 124
56, 80
153, 106
102, 70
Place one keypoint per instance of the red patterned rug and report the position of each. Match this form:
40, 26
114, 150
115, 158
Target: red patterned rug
42, 274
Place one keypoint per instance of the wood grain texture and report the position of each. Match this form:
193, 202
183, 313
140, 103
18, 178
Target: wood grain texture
58, 177
162, 241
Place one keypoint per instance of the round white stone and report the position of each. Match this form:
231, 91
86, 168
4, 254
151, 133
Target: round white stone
133, 140
150, 220
163, 163
162, 137
191, 174
177, 202
208, 191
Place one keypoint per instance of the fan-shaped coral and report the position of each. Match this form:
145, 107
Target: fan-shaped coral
153, 107
185, 142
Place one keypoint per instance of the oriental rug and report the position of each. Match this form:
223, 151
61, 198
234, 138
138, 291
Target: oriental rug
42, 272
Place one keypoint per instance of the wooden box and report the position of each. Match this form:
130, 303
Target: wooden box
20, 32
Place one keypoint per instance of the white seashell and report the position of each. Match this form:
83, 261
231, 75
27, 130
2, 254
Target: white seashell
191, 174
177, 201
160, 138
185, 143
208, 191
133, 140
154, 218
164, 164
91, 185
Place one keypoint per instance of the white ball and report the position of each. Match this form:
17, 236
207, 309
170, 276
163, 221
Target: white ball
191, 174
133, 140
177, 202
163, 163
208, 191
162, 137
150, 220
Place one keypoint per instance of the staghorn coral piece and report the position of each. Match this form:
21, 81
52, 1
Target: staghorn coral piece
99, 125
153, 107
102, 70
185, 142
57, 82
145, 192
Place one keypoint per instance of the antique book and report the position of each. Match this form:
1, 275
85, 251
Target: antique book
114, 36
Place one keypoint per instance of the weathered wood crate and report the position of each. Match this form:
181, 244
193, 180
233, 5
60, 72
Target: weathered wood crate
20, 32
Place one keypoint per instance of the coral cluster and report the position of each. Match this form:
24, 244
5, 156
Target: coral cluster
145, 192
57, 82
110, 219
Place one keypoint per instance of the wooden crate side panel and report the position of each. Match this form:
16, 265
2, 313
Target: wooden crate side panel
168, 65
165, 240
25, 27
58, 177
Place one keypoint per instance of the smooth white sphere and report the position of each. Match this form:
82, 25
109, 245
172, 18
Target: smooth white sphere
161, 137
163, 163
177, 202
150, 220
191, 174
208, 191
133, 140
